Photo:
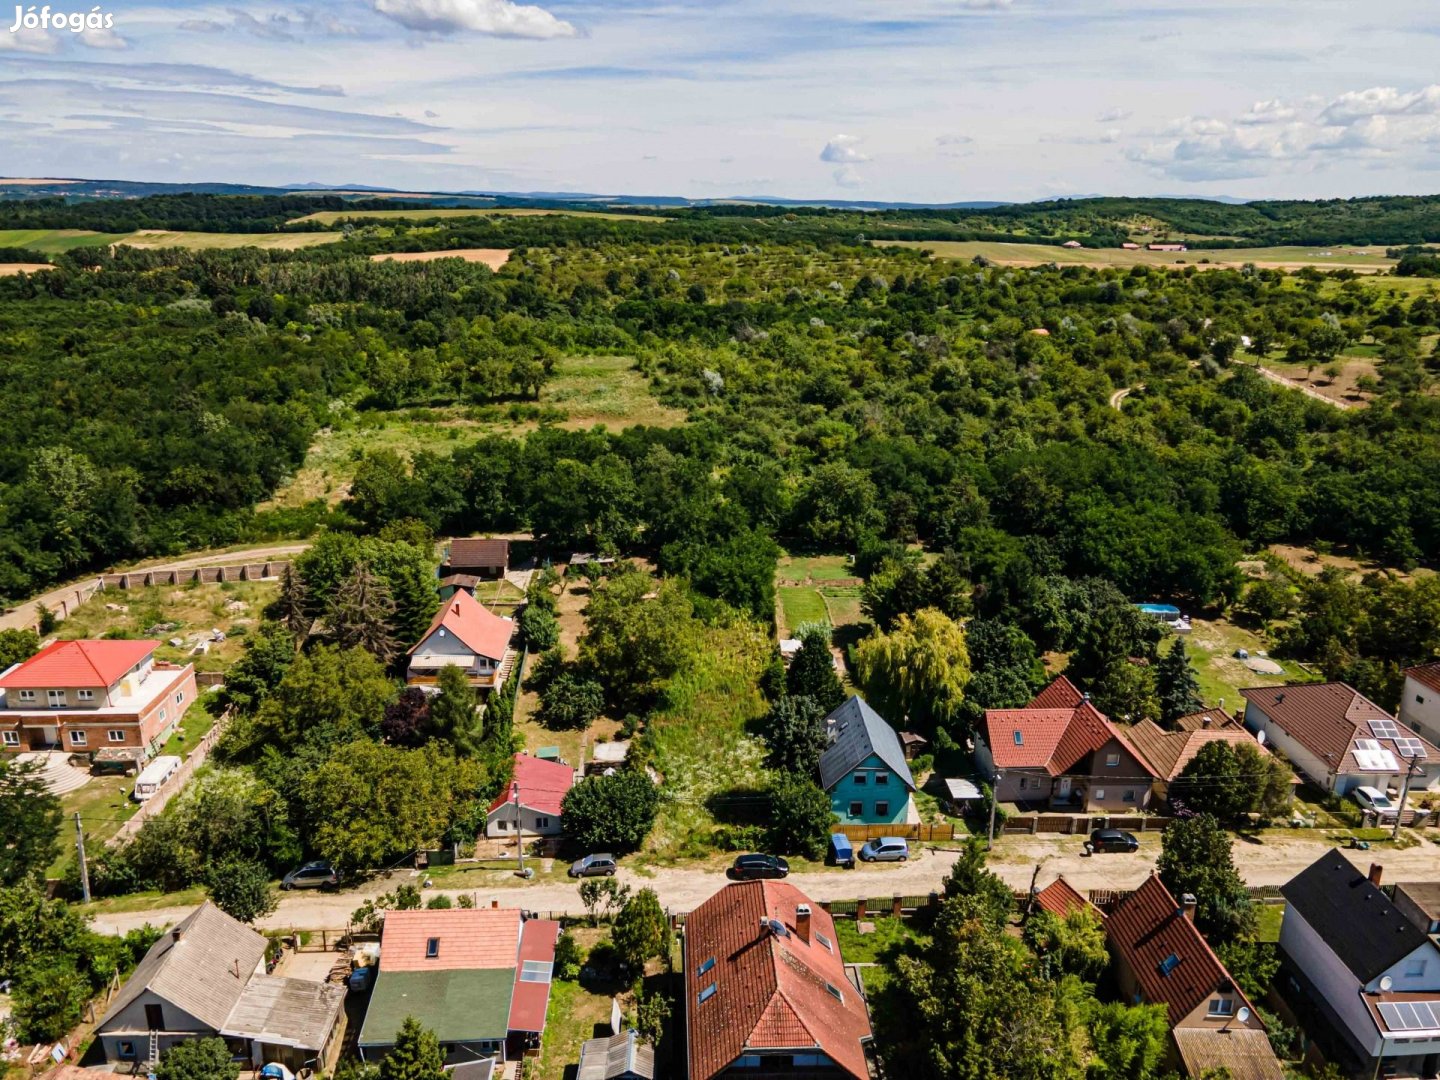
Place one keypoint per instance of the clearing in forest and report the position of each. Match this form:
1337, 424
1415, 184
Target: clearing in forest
494, 258
11, 269
1373, 259
815, 588
331, 217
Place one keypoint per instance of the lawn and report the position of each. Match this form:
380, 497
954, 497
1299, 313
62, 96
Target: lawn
104, 804
194, 726
231, 607
1212, 645
814, 568
799, 604
816, 588
1270, 918
332, 217
1279, 258
575, 1014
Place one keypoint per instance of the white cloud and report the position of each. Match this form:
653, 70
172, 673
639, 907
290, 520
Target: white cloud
28, 41
501, 18
1274, 111
847, 176
843, 150
1113, 116
1381, 101
103, 39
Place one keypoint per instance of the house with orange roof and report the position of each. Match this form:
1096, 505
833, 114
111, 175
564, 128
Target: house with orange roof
82, 696
465, 634
531, 805
1161, 958
767, 991
1062, 753
1060, 899
1168, 752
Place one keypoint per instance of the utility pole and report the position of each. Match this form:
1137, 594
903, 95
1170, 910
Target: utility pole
994, 799
519, 829
1399, 810
80, 849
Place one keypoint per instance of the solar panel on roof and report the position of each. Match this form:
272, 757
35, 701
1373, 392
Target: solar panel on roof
1384, 729
1410, 1015
1410, 748
536, 971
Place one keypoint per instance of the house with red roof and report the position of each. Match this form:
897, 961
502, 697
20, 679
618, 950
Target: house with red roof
767, 991
1420, 702
82, 696
1060, 899
1062, 753
1161, 958
1340, 739
478, 978
466, 634
531, 805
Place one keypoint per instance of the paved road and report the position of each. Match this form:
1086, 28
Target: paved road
1117, 399
1015, 859
22, 615
1309, 391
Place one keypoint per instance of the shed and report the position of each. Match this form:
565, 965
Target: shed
618, 1057
963, 795
912, 742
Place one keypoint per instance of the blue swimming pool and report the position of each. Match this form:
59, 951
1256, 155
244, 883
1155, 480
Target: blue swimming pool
1169, 611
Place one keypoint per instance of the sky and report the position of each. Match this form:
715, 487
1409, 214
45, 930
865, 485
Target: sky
917, 100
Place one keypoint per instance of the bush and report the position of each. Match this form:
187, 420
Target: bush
610, 812
197, 1059
800, 817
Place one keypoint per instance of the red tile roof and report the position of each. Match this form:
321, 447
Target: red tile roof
476, 551
1061, 898
470, 939
1056, 738
772, 991
1145, 929
1327, 718
1168, 752
1426, 675
531, 998
543, 784
81, 664
1060, 694
476, 626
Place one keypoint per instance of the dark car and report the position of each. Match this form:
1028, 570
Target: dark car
1113, 840
313, 875
593, 866
750, 867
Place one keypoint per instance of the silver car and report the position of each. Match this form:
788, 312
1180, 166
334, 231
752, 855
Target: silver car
885, 849
313, 875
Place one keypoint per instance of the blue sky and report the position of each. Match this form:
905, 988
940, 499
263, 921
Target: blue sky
926, 100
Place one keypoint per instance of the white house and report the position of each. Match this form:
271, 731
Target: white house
532, 802
1420, 703
468, 635
1369, 969
1339, 738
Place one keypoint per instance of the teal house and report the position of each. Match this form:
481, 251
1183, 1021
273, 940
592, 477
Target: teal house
863, 770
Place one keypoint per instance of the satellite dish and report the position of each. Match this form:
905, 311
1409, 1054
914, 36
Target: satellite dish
1260, 737
1243, 1015
1386, 983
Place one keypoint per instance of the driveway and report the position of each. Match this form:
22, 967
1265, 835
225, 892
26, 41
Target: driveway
1015, 859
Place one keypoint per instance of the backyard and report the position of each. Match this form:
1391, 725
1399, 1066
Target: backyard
816, 589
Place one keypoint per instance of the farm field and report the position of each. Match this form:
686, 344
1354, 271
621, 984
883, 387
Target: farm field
201, 241
1278, 258
494, 258
815, 588
331, 217
53, 241
8, 269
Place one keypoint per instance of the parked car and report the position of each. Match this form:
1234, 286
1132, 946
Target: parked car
885, 849
313, 875
1113, 840
1375, 800
593, 866
752, 867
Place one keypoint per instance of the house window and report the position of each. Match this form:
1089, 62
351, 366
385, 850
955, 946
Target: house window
1099, 794
27, 695
542, 823
503, 825
882, 778
1415, 968
57, 698
1019, 737
1023, 783
1221, 1007
835, 991
1419, 699
162, 716
79, 738
1129, 794
180, 698
882, 809
824, 941
1112, 760
85, 695
859, 779
115, 735
10, 738
127, 1050
432, 948
706, 966
706, 994
857, 809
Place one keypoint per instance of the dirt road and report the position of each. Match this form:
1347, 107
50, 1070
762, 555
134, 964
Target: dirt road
1015, 859
22, 615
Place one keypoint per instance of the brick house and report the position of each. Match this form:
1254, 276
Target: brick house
82, 696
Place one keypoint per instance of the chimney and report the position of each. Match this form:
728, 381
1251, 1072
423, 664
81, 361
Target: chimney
457, 609
1187, 906
1376, 871
176, 933
802, 922
494, 903
1206, 721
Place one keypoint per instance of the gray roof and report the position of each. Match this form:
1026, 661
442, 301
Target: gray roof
618, 1056
286, 1012
472, 1070
1354, 918
200, 966
857, 731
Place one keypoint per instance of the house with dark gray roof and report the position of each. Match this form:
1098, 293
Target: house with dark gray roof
1368, 971
206, 977
863, 769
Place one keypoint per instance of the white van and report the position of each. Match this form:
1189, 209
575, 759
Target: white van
153, 775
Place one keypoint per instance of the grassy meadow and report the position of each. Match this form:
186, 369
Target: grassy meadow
1373, 259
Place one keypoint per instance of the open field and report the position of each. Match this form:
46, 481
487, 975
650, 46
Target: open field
590, 390
201, 241
31, 181
1221, 674
1341, 389
104, 804
53, 241
11, 269
1311, 563
1277, 258
494, 258
331, 217
815, 588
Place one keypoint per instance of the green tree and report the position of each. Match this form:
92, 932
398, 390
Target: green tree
1006, 669
1176, 685
454, 715
540, 628
242, 888
1069, 945
969, 876
31, 815
917, 673
652, 1012
269, 652
1129, 1041
641, 930
1270, 599
1196, 858
17, 645
603, 813
45, 620
1216, 782
416, 1054
812, 670
327, 696
361, 612
571, 701
569, 957
794, 730
198, 1059
632, 644
801, 816
291, 607
602, 897
49, 997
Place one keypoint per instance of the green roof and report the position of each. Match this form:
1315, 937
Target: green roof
456, 1005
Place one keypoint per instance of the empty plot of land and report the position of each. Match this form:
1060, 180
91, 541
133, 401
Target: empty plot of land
494, 258
1371, 260
160, 238
330, 217
9, 269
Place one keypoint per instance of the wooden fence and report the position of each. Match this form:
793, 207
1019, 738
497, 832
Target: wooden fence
1083, 824
167, 791
911, 831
